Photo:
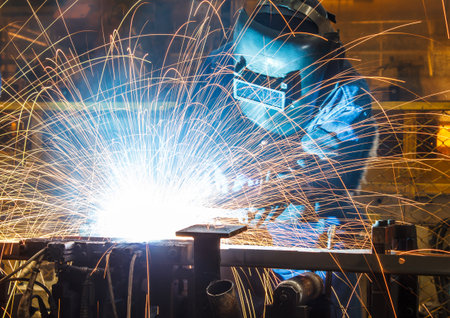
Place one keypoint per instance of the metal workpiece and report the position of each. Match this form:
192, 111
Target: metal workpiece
299, 290
387, 236
390, 235
293, 297
358, 261
211, 231
163, 271
119, 270
379, 236
173, 252
181, 252
223, 300
207, 259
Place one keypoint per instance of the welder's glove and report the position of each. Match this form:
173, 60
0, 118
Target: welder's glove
321, 143
242, 182
225, 184
262, 216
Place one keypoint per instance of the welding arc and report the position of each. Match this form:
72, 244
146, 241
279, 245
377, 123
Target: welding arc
31, 259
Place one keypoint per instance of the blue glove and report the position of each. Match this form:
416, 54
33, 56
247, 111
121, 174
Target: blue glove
263, 216
321, 143
225, 184
241, 182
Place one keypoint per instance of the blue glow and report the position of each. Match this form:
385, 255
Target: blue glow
267, 97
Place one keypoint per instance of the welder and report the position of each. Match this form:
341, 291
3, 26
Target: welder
283, 91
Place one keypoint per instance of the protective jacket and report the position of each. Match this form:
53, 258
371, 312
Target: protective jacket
329, 154
325, 153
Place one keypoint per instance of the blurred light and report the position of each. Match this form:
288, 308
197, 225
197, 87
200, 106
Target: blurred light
137, 209
28, 39
141, 212
443, 139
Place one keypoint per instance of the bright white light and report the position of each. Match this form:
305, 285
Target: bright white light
152, 183
141, 212
136, 209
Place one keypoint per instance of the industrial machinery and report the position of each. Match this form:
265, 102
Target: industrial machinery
182, 278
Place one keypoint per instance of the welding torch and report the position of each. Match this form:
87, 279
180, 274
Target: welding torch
265, 196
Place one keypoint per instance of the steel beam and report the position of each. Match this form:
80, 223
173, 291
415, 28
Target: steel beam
359, 261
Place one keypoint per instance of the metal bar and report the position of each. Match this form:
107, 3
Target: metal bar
360, 261
425, 106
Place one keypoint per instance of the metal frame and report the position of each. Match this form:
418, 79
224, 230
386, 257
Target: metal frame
359, 261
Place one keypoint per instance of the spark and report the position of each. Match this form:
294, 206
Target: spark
112, 145
445, 18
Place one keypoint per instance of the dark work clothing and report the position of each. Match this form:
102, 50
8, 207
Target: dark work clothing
326, 156
344, 113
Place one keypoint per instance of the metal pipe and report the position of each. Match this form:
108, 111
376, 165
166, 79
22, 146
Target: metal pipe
207, 259
223, 300
299, 290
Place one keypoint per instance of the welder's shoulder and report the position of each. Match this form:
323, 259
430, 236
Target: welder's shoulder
349, 91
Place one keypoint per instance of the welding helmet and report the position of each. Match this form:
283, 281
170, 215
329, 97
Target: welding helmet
282, 51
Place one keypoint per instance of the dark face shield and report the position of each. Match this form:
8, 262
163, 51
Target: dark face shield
278, 76
266, 91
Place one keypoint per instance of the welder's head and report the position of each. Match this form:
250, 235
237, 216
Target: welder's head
282, 50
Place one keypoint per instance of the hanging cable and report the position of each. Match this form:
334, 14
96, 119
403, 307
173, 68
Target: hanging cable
23, 310
86, 299
42, 309
31, 259
51, 301
130, 283
111, 290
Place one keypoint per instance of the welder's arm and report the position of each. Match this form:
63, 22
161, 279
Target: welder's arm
228, 185
233, 186
333, 153
324, 169
340, 138
238, 190
321, 143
